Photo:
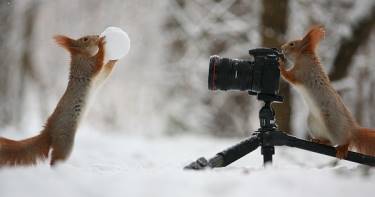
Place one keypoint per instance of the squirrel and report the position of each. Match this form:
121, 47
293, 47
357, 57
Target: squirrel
329, 119
87, 70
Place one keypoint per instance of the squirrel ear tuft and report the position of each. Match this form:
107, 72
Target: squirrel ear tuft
312, 38
64, 41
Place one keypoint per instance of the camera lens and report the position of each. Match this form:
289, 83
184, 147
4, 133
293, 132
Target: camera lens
226, 74
214, 61
259, 75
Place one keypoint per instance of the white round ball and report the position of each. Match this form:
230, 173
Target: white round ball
117, 43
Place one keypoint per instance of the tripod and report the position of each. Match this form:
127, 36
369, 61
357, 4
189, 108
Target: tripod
267, 137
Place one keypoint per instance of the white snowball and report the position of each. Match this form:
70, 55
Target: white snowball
117, 43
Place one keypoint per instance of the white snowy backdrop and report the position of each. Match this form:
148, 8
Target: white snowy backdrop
155, 114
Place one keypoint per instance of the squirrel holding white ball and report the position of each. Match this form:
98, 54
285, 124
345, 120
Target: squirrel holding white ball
329, 119
86, 67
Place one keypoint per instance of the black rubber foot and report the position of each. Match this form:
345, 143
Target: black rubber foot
199, 164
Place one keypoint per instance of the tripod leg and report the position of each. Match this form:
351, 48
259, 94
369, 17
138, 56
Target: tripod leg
237, 151
268, 148
227, 156
280, 139
267, 152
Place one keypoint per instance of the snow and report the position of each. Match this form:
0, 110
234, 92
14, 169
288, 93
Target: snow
117, 43
130, 165
171, 98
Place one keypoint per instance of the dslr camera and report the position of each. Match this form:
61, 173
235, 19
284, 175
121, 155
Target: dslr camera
258, 75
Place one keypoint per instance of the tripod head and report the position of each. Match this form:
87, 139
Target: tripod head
266, 113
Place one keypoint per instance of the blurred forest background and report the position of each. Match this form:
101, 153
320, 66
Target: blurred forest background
160, 88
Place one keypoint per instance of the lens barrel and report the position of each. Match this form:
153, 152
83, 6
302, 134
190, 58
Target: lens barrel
226, 74
259, 76
214, 61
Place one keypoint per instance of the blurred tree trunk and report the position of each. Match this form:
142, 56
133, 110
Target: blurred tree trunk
372, 104
27, 67
361, 32
14, 77
6, 10
360, 102
274, 26
343, 60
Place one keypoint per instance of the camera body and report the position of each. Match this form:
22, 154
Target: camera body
260, 75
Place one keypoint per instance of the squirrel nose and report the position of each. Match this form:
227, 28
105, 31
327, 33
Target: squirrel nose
283, 49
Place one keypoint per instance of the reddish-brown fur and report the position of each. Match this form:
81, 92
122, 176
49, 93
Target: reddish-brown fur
364, 141
312, 39
24, 152
99, 56
334, 120
66, 43
56, 137
63, 41
288, 75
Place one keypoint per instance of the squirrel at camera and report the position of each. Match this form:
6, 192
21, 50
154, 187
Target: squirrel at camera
87, 71
329, 119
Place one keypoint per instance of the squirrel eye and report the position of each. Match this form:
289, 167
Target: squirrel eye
85, 39
291, 44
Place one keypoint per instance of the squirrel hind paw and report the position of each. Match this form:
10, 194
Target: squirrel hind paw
342, 151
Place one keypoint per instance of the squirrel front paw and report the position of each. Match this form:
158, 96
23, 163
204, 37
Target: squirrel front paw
101, 42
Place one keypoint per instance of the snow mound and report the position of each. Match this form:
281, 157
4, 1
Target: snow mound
139, 166
117, 43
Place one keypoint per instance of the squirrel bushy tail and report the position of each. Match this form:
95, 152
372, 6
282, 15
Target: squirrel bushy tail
364, 141
24, 152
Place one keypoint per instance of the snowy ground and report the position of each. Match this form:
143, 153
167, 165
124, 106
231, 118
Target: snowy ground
132, 166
